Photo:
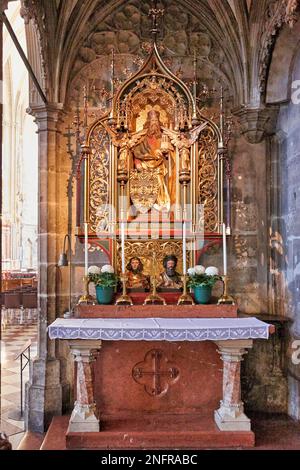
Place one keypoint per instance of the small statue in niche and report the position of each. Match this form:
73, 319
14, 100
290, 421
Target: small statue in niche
184, 152
170, 278
135, 277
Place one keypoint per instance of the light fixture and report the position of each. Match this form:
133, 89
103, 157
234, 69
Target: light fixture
64, 261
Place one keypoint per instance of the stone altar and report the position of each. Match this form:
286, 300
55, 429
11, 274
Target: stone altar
158, 382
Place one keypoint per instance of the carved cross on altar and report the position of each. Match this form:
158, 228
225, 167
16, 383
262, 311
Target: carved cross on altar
152, 375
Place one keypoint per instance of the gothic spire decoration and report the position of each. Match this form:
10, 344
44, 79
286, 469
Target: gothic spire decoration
155, 13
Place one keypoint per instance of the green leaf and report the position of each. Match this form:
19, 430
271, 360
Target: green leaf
104, 279
202, 280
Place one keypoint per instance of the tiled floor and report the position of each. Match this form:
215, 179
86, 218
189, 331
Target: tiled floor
13, 339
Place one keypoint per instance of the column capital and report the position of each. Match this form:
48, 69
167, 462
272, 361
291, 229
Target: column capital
234, 349
257, 123
47, 115
84, 350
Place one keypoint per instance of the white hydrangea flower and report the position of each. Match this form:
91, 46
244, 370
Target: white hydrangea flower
212, 271
94, 270
107, 268
199, 269
191, 271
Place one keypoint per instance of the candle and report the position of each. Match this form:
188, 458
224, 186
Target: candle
123, 245
184, 247
86, 252
224, 251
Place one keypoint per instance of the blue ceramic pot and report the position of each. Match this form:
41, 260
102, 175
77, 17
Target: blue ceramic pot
104, 294
202, 294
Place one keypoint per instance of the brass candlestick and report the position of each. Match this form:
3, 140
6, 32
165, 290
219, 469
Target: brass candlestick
184, 178
124, 298
154, 298
185, 298
226, 299
86, 298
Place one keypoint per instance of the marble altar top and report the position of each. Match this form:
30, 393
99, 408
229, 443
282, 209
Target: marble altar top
159, 329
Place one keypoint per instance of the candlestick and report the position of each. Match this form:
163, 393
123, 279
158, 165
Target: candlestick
122, 220
86, 250
185, 298
86, 298
184, 247
224, 251
154, 298
123, 246
226, 299
124, 298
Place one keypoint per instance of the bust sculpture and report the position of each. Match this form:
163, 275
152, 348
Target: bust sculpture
170, 278
135, 277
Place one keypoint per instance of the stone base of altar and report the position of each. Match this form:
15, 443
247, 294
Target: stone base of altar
149, 311
157, 432
158, 383
160, 432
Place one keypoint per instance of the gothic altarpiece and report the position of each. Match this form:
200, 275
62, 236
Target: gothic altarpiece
151, 180
155, 151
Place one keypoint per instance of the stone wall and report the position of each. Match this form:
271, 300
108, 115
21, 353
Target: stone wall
284, 292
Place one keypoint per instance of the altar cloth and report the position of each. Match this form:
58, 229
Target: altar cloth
159, 329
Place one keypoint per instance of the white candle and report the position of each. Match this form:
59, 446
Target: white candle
86, 251
184, 247
224, 251
123, 245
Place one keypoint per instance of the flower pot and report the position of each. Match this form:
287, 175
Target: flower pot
104, 294
202, 294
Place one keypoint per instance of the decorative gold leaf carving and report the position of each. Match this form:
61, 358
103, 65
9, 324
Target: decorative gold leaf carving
99, 179
208, 180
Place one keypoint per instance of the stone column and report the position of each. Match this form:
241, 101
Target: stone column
230, 416
250, 211
4, 442
43, 391
84, 417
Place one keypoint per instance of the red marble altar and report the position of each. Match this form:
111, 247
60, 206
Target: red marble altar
196, 388
157, 394
149, 311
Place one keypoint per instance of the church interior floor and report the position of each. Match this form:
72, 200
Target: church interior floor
14, 337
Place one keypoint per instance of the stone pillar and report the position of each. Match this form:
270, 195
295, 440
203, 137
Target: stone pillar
230, 416
4, 443
249, 258
84, 417
43, 391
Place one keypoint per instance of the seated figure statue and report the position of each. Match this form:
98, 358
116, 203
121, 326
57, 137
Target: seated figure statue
135, 277
170, 278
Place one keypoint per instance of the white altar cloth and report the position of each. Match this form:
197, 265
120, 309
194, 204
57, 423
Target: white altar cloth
159, 329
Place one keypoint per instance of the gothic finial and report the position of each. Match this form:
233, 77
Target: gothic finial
195, 121
85, 111
155, 14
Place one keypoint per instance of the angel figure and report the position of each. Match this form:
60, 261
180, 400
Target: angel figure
124, 153
125, 143
184, 143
